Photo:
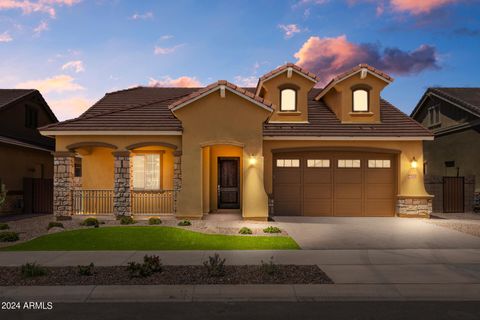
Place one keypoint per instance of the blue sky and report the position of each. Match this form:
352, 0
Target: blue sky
75, 51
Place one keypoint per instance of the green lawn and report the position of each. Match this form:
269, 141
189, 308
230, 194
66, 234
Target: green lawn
150, 238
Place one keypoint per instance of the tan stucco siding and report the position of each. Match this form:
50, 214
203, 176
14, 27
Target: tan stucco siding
410, 181
211, 121
272, 94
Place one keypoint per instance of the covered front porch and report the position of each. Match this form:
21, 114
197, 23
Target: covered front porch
95, 178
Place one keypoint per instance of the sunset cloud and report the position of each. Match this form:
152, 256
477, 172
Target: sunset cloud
328, 57
250, 81
5, 37
70, 107
183, 81
419, 6
290, 30
28, 6
58, 84
166, 50
76, 66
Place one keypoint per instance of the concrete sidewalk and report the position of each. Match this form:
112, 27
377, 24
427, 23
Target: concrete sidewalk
188, 293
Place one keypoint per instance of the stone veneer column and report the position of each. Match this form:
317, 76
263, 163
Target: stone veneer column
63, 175
177, 176
121, 188
415, 207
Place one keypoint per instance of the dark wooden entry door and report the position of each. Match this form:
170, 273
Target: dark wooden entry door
228, 183
453, 195
37, 195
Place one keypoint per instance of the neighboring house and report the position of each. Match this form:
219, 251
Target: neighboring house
453, 114
282, 148
25, 153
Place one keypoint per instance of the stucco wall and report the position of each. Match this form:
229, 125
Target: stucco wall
213, 120
461, 147
410, 181
17, 163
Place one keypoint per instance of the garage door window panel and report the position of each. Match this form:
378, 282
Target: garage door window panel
379, 164
318, 163
348, 163
288, 163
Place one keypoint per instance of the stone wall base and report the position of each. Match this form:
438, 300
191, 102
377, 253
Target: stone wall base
414, 207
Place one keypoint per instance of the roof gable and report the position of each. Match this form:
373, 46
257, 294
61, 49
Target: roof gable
467, 99
357, 69
288, 67
9, 97
221, 85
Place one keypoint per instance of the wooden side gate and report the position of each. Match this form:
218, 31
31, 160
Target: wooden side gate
38, 195
453, 194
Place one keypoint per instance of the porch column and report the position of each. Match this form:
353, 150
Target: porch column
177, 176
121, 188
63, 176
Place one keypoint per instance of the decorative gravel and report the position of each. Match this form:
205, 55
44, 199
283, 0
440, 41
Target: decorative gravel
171, 275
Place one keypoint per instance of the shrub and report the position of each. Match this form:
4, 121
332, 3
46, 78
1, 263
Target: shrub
245, 230
127, 220
4, 226
32, 270
272, 229
8, 236
154, 221
184, 223
86, 270
150, 265
269, 267
90, 222
215, 266
54, 224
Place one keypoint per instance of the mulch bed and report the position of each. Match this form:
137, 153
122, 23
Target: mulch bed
171, 275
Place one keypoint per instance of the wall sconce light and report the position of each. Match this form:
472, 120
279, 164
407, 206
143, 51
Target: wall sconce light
252, 160
413, 163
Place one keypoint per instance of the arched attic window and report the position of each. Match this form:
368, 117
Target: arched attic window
361, 98
288, 98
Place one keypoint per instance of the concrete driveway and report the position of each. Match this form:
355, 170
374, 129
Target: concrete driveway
373, 233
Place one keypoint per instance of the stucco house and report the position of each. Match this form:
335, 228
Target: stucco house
452, 160
281, 148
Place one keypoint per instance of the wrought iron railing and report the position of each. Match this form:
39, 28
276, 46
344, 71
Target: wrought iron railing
91, 202
153, 202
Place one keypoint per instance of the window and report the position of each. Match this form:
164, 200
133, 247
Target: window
78, 167
288, 100
434, 115
318, 163
360, 100
31, 117
379, 163
146, 171
288, 163
348, 163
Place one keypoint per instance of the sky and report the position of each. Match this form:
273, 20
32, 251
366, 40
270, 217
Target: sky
74, 51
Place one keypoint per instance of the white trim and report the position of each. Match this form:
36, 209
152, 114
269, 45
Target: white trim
346, 138
325, 90
110, 133
259, 86
222, 91
289, 72
218, 87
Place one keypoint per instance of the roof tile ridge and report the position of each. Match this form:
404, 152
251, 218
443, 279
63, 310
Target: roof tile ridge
438, 90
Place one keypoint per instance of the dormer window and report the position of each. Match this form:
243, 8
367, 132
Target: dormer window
288, 99
360, 100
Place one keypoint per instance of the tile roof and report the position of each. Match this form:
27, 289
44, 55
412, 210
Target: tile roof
351, 72
8, 96
289, 65
468, 98
232, 86
324, 123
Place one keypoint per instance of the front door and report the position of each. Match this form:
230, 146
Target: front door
228, 189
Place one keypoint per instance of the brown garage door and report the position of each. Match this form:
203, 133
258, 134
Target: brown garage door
334, 184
